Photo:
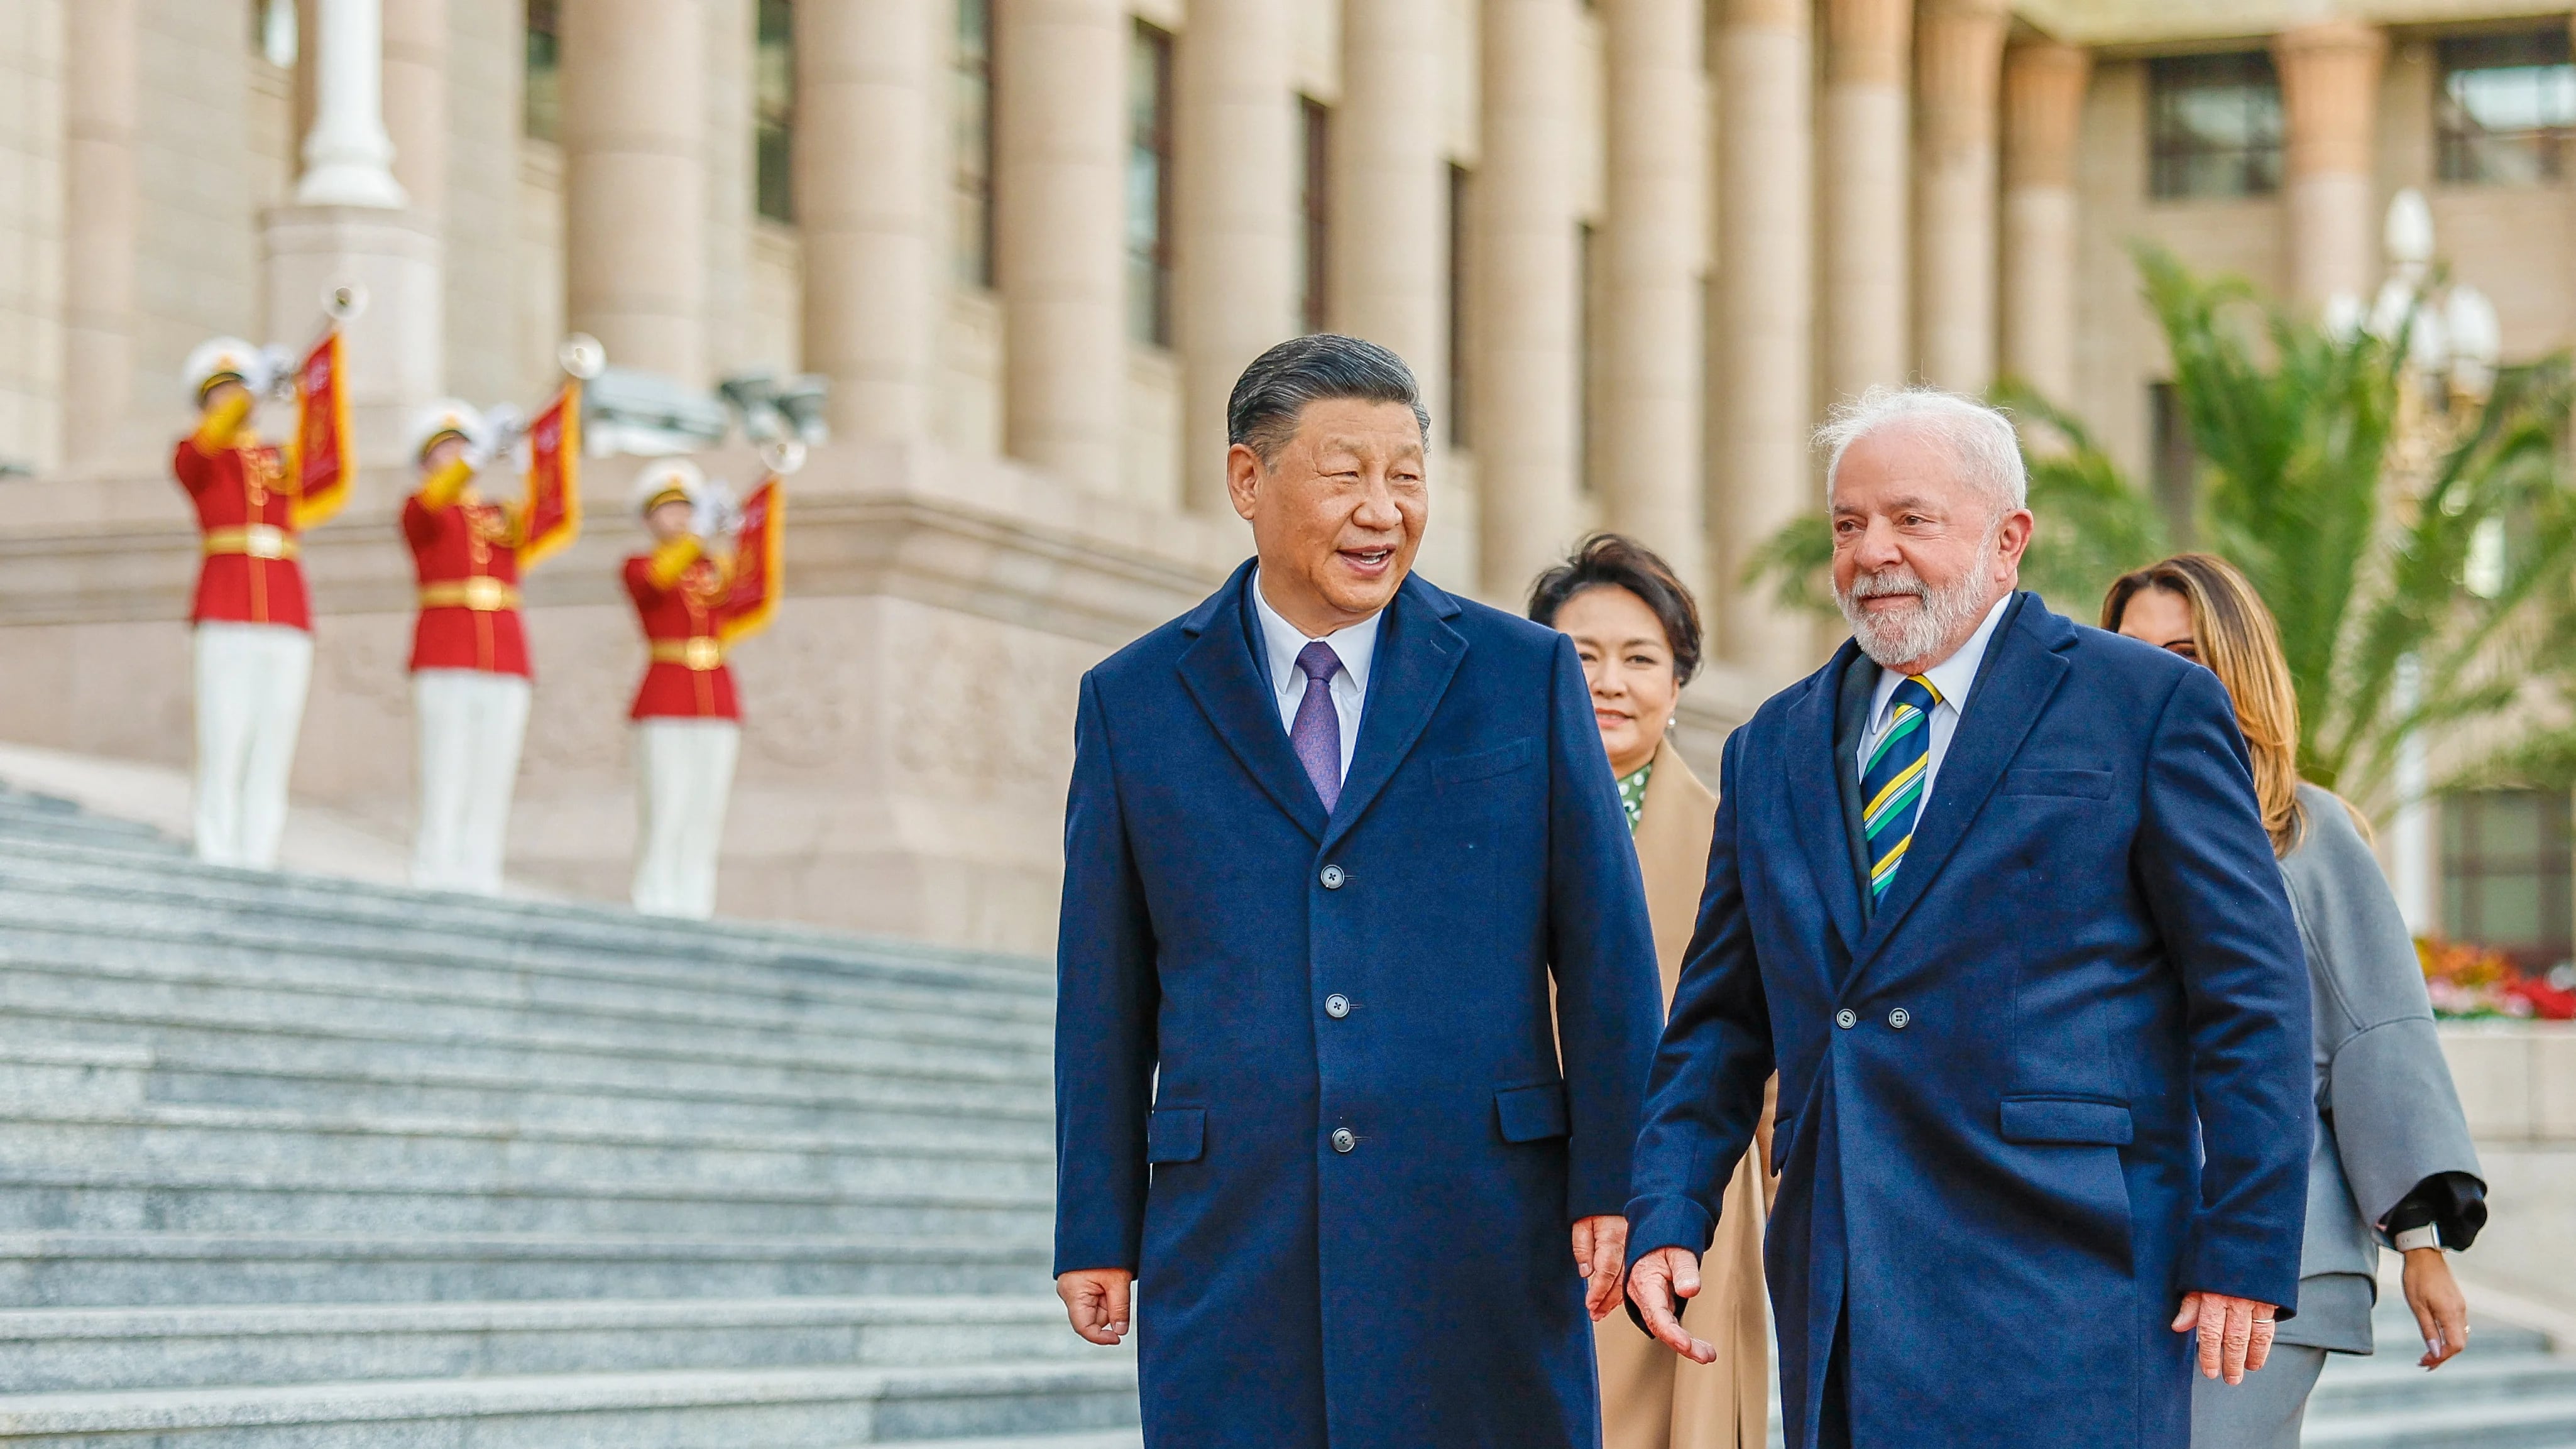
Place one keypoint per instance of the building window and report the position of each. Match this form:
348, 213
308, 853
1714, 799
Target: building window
773, 98
1149, 186
2177, 461
1314, 236
274, 32
1460, 198
971, 89
2506, 864
2506, 107
542, 112
2214, 125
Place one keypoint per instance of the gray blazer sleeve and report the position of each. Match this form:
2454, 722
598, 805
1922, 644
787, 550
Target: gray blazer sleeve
2384, 1090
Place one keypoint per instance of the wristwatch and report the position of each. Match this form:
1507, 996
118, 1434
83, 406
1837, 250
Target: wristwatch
2427, 1236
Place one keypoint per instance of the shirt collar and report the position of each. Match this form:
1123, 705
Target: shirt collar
1953, 677
1281, 641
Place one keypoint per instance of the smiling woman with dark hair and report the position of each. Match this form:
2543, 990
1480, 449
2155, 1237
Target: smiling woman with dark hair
1636, 630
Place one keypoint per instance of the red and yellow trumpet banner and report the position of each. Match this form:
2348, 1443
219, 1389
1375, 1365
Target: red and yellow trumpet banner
551, 515
326, 457
758, 576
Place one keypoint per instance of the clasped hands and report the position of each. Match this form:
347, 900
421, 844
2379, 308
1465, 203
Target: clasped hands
2235, 1333
1096, 1299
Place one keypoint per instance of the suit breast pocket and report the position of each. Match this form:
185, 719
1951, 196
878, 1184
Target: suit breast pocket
1484, 764
2059, 784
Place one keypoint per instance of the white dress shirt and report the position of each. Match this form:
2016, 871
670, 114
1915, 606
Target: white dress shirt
1952, 678
1281, 642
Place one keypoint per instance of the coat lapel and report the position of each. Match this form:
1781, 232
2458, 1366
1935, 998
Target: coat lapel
2022, 670
1223, 673
1417, 654
1816, 801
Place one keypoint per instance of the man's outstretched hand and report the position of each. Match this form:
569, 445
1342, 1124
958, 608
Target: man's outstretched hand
1600, 1251
2235, 1333
1656, 1285
1095, 1302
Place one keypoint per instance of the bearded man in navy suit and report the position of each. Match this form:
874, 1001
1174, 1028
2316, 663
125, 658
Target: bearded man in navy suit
1331, 838
1993, 894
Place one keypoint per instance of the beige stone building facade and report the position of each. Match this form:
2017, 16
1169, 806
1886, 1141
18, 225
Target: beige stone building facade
1634, 248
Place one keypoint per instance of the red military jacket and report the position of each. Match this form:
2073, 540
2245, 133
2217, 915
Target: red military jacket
467, 558
247, 516
683, 625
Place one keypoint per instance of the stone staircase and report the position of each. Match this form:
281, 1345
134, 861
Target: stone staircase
290, 1161
2507, 1392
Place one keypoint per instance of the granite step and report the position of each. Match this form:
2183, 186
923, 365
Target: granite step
45, 1351
791, 1408
82, 1270
112, 876
136, 999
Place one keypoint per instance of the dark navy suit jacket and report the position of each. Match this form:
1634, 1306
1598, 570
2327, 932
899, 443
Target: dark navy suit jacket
1418, 1288
2058, 1077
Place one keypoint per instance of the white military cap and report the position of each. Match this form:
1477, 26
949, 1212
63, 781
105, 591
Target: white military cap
219, 359
666, 478
446, 418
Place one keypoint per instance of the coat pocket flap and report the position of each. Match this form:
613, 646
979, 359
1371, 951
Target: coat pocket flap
1484, 764
1532, 1114
2078, 784
1176, 1134
2065, 1119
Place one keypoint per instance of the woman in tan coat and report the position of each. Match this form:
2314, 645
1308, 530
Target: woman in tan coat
1638, 633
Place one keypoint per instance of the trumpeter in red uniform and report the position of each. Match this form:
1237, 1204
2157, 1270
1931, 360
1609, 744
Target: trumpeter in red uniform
253, 637
696, 592
469, 655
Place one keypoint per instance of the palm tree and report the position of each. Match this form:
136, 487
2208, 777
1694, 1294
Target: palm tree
2416, 549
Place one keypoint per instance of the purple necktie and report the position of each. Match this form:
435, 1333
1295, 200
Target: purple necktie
1317, 734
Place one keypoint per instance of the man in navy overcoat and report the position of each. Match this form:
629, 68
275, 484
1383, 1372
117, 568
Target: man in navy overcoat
1332, 837
1993, 893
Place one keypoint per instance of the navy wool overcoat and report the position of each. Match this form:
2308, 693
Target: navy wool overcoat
1242, 979
1997, 1089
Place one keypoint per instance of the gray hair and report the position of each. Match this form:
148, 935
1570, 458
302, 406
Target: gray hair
1981, 439
1273, 392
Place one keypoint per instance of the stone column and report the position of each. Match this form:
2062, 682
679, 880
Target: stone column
635, 208
1390, 186
352, 223
1653, 239
1234, 216
1865, 200
1957, 57
1060, 79
2329, 94
1526, 264
101, 209
868, 113
1761, 338
348, 158
416, 99
2043, 116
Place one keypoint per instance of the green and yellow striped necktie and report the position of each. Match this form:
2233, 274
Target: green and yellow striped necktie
1891, 785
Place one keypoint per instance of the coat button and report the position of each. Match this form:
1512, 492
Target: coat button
1899, 1017
1343, 1141
1337, 1006
1846, 1018
1333, 877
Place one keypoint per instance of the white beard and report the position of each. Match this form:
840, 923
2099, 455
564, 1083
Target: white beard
1913, 634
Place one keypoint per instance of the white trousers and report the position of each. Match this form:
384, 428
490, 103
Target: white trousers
683, 774
251, 680
470, 725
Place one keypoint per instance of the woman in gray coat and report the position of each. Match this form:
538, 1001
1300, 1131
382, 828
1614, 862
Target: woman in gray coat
2392, 1163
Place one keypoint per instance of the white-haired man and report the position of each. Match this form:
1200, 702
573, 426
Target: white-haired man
1994, 892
